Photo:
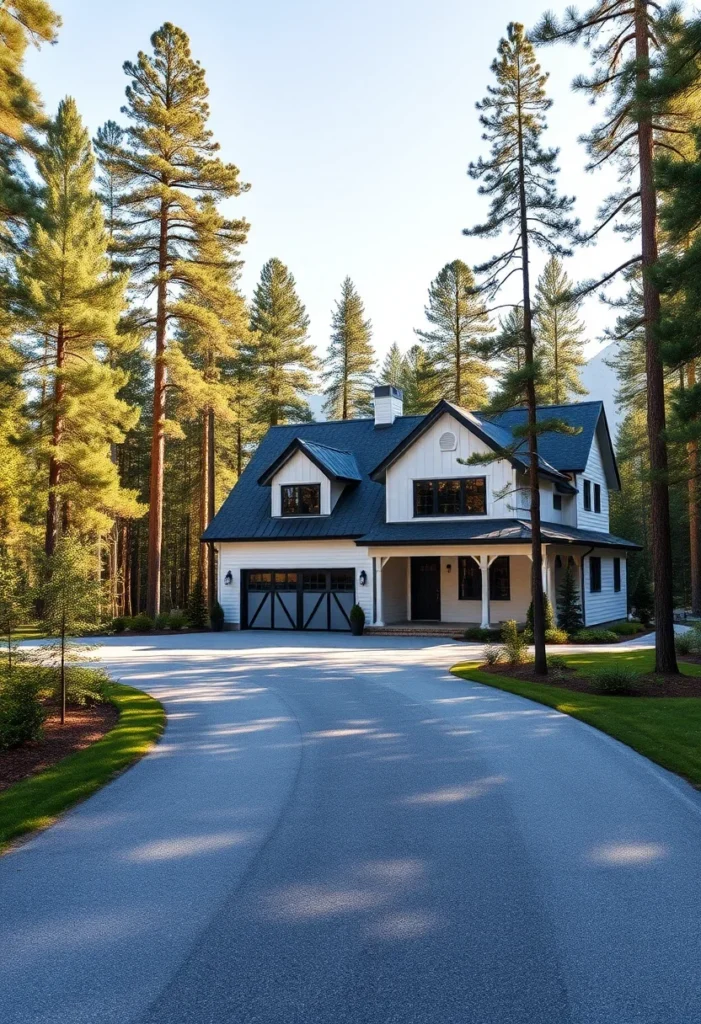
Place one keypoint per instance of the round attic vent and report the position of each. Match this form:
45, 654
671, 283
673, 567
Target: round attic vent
448, 442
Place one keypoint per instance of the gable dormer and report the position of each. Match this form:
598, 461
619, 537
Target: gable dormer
308, 479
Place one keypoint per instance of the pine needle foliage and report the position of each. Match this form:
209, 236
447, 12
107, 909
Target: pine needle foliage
279, 354
558, 337
459, 325
518, 178
347, 379
393, 367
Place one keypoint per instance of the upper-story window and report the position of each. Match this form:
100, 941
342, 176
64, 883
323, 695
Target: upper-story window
597, 497
466, 496
557, 502
300, 499
587, 495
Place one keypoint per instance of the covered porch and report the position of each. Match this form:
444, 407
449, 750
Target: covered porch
455, 586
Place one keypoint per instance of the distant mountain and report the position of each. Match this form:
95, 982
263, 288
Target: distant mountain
601, 383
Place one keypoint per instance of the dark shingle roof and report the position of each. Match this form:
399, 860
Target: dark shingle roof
347, 446
486, 531
245, 515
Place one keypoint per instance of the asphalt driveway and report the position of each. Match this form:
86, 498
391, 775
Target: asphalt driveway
335, 829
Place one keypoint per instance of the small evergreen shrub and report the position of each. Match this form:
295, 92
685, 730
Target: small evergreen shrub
21, 711
177, 619
162, 620
217, 617
549, 616
479, 635
569, 608
197, 607
493, 654
614, 681
141, 623
83, 685
556, 663
556, 636
514, 647
595, 636
119, 624
625, 628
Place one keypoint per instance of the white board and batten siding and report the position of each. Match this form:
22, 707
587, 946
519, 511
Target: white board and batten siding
300, 470
596, 474
607, 605
317, 554
427, 459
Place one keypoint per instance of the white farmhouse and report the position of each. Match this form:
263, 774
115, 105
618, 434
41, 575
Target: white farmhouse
386, 513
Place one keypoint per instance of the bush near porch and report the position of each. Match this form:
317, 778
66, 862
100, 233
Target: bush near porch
664, 728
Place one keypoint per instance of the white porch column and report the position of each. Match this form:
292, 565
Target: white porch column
551, 589
379, 566
484, 561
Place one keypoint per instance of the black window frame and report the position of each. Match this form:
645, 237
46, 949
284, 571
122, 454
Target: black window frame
469, 571
586, 495
298, 488
557, 502
597, 498
594, 574
616, 575
466, 482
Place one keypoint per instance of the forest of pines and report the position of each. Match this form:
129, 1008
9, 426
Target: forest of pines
136, 379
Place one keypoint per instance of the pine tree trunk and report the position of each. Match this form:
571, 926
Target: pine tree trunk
204, 501
52, 511
211, 498
693, 493
661, 546
155, 516
541, 664
458, 352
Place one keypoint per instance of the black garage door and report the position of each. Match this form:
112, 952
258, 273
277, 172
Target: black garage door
297, 598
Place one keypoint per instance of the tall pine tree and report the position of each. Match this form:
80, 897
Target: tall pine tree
350, 360
558, 337
166, 165
394, 367
278, 353
519, 179
455, 340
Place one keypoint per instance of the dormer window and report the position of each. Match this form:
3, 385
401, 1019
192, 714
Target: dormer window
300, 499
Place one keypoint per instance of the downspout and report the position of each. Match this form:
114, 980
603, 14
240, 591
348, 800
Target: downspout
583, 587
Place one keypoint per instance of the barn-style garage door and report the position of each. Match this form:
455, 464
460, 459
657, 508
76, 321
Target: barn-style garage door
297, 599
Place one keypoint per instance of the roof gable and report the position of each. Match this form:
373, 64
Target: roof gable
334, 463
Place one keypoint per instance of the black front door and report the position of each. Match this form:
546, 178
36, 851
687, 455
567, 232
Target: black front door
426, 588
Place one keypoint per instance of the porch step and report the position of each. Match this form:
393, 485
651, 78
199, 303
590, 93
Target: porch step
424, 631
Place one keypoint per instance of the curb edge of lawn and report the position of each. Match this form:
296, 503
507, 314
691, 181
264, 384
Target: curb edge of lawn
36, 802
564, 705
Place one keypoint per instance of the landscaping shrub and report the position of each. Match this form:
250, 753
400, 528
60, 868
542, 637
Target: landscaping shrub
493, 654
626, 628
514, 647
21, 712
615, 680
83, 685
569, 608
141, 623
216, 617
556, 663
556, 636
479, 635
162, 620
642, 599
686, 643
594, 636
119, 624
177, 619
549, 616
197, 607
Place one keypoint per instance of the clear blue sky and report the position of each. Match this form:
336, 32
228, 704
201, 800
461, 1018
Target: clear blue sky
354, 124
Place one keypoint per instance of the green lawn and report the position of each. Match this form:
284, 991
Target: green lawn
37, 801
29, 631
665, 729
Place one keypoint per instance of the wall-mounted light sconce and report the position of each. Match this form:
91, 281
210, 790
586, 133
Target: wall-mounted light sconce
363, 577
448, 567
229, 578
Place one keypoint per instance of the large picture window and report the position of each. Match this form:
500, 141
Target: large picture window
301, 499
460, 497
470, 579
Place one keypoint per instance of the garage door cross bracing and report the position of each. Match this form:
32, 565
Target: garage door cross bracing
297, 598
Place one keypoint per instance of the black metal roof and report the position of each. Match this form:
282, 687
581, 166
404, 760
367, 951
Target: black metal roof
360, 511
334, 463
486, 531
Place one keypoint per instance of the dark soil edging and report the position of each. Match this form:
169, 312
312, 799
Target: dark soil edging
36, 802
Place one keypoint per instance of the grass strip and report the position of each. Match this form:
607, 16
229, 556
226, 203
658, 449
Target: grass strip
667, 730
37, 801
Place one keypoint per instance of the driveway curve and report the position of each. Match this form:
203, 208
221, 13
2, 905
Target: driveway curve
336, 829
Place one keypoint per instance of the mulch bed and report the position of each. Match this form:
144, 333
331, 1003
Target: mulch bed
648, 685
83, 726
